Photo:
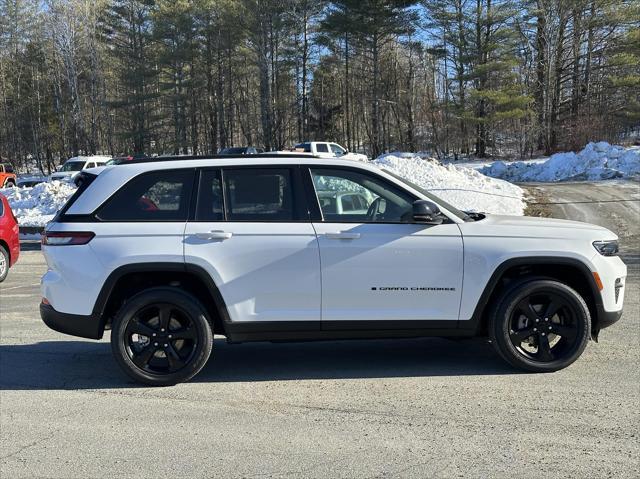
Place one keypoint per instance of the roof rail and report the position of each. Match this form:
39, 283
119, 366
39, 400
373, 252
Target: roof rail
150, 159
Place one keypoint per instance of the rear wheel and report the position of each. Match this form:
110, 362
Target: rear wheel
161, 337
4, 263
540, 326
9, 184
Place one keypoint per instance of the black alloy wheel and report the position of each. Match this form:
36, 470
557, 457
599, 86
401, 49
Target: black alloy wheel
162, 336
543, 327
540, 325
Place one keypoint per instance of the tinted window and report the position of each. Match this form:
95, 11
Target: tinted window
156, 196
210, 197
363, 198
8, 169
322, 148
259, 194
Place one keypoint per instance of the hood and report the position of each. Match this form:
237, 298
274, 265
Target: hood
530, 227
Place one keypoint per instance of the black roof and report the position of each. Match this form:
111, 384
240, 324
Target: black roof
150, 159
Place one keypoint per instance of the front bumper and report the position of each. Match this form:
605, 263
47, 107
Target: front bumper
606, 318
73, 324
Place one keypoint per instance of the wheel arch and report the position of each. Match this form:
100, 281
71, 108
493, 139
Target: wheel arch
514, 271
128, 280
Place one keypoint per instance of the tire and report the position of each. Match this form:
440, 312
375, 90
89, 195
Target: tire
161, 337
540, 325
9, 184
4, 263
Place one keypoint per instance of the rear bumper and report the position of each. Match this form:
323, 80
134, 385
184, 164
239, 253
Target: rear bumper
73, 324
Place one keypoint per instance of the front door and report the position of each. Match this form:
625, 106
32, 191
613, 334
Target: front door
378, 269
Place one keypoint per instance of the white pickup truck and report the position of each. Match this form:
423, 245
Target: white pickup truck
323, 149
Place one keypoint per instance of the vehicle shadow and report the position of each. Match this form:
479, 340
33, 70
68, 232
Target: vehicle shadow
72, 365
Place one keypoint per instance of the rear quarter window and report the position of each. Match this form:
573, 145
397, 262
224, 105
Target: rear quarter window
155, 196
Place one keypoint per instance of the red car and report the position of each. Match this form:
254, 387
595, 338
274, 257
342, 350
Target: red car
9, 238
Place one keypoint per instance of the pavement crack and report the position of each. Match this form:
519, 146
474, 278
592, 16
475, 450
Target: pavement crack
30, 445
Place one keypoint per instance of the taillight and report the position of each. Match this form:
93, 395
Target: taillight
64, 238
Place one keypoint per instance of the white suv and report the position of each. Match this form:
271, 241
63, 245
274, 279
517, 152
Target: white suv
165, 253
73, 166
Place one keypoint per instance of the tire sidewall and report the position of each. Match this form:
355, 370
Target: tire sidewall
501, 324
188, 304
5, 255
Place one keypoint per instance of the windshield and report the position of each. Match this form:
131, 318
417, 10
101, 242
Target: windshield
72, 166
455, 211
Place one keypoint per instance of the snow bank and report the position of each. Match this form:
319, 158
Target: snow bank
598, 161
464, 188
36, 206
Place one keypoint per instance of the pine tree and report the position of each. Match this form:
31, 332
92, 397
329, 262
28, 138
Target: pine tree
128, 30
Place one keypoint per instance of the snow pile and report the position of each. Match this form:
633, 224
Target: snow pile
598, 161
464, 188
38, 205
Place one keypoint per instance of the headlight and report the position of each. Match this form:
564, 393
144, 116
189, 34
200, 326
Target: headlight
606, 248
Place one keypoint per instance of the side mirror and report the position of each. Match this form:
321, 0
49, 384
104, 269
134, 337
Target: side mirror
426, 212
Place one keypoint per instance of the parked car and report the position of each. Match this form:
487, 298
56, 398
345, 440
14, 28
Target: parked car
323, 149
30, 181
337, 203
173, 251
9, 238
7, 176
118, 160
75, 165
242, 150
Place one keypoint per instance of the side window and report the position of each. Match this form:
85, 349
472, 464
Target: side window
90, 165
322, 148
1, 209
259, 194
337, 150
362, 198
156, 196
210, 197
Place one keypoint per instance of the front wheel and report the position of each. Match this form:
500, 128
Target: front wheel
540, 326
161, 337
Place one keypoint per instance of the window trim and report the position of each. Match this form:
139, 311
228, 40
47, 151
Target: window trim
318, 216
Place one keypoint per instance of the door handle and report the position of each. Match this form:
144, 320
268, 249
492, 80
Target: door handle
342, 235
214, 235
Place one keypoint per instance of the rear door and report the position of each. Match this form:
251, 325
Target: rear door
251, 232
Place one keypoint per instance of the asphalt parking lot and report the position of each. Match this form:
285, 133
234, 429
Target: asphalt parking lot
403, 408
